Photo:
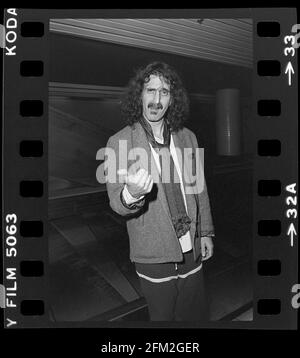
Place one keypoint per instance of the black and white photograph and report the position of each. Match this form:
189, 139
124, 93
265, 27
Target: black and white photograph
129, 246
149, 180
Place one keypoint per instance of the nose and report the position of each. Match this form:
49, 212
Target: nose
156, 98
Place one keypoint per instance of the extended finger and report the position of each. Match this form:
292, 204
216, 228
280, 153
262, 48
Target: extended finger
123, 174
138, 174
142, 177
134, 178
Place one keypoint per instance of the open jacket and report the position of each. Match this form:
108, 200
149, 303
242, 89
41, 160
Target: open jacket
151, 233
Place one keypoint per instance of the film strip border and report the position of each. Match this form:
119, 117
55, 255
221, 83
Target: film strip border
25, 172
275, 172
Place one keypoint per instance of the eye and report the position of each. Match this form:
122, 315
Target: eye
165, 92
150, 90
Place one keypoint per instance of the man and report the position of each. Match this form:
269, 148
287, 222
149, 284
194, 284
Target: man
170, 229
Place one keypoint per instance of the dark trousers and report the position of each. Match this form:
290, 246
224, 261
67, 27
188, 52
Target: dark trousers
181, 299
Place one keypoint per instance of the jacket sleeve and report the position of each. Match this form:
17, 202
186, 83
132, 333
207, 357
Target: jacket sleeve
207, 227
115, 188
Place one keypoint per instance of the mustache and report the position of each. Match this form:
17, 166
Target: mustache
155, 106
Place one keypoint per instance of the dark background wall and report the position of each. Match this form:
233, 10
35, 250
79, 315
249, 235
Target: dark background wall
79, 60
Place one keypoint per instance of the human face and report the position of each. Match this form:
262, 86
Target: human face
156, 98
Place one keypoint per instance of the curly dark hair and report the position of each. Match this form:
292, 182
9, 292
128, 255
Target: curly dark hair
131, 105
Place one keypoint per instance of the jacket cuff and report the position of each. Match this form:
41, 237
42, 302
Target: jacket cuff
208, 233
132, 206
128, 198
